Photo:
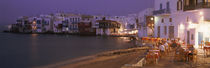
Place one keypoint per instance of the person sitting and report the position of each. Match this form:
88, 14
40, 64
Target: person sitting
191, 53
174, 44
179, 53
162, 48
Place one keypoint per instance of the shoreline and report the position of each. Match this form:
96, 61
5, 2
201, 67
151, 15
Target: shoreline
63, 33
102, 56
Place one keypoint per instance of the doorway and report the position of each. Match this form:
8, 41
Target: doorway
200, 37
158, 31
171, 32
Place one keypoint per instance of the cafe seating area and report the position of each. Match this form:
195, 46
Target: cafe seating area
162, 47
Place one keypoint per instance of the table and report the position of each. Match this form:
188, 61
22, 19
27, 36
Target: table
206, 50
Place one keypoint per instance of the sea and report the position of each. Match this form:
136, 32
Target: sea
33, 50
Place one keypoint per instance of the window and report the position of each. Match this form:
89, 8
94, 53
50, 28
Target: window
170, 19
162, 20
187, 2
38, 22
75, 19
187, 19
161, 6
158, 33
168, 5
207, 0
179, 5
165, 30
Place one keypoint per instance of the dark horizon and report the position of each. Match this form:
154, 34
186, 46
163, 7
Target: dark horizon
11, 9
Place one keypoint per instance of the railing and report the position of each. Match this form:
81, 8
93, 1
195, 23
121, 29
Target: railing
197, 6
161, 11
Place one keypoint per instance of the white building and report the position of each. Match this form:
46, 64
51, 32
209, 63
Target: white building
143, 29
184, 19
107, 27
74, 20
132, 20
57, 21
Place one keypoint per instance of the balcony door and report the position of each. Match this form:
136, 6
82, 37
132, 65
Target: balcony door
167, 5
171, 32
200, 37
188, 37
158, 31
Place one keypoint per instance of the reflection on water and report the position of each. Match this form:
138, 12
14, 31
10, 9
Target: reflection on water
34, 50
28, 50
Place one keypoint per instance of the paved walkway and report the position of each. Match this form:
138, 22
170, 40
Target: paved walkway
167, 61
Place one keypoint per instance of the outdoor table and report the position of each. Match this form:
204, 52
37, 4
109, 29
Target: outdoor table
206, 50
153, 55
156, 52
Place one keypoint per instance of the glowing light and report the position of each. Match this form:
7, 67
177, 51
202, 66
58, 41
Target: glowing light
202, 18
34, 22
152, 18
191, 25
67, 29
34, 27
201, 13
182, 26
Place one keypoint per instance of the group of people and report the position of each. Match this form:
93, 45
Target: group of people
182, 51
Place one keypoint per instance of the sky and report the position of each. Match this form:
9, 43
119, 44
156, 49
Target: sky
11, 9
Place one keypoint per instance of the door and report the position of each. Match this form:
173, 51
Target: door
200, 37
171, 32
188, 37
167, 6
158, 31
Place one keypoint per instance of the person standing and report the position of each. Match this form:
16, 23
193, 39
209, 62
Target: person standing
166, 47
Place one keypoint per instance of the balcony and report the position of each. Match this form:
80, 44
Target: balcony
197, 6
162, 11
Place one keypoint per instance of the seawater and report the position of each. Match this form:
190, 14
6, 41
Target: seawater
31, 50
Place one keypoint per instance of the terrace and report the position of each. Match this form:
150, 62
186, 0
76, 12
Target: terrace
162, 11
197, 5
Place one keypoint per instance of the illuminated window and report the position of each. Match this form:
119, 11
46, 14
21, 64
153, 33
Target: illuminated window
207, 1
179, 5
187, 2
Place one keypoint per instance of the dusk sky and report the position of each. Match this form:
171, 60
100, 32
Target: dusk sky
11, 9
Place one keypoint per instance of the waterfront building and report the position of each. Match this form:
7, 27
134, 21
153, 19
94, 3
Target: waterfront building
58, 26
145, 23
184, 19
37, 25
47, 21
107, 27
22, 25
132, 20
85, 25
73, 21
40, 24
65, 25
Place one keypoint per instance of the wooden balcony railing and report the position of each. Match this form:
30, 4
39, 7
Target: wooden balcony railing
162, 11
197, 6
